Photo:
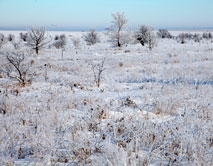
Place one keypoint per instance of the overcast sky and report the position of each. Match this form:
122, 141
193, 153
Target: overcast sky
97, 13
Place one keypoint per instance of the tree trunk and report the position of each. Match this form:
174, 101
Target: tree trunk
119, 45
37, 50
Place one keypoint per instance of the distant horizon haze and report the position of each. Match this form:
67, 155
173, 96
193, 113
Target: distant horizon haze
84, 14
102, 28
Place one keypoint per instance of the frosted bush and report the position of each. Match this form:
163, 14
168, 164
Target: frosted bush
92, 37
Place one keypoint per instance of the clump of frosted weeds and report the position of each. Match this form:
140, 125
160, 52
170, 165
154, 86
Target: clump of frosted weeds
76, 42
97, 70
56, 134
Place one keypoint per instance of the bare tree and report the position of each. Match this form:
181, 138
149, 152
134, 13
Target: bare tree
91, 37
117, 29
97, 72
145, 35
17, 68
37, 39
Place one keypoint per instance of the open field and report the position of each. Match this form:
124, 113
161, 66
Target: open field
152, 107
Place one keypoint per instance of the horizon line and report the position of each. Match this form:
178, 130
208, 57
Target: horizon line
98, 28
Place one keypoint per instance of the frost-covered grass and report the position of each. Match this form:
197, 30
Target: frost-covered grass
152, 107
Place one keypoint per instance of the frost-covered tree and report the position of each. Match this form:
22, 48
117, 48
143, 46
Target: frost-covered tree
61, 41
142, 35
117, 30
17, 68
145, 35
164, 33
37, 39
92, 37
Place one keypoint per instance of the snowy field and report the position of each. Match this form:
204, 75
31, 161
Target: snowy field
152, 107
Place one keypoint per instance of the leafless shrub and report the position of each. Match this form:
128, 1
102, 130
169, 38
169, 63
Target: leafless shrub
76, 41
129, 103
2, 40
56, 37
197, 37
62, 37
118, 30
151, 40
60, 42
1, 44
2, 37
164, 33
37, 39
92, 37
11, 37
24, 36
181, 38
16, 45
145, 35
207, 36
188, 36
17, 68
97, 72
3, 105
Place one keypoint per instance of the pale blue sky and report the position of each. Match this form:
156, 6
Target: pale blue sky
97, 13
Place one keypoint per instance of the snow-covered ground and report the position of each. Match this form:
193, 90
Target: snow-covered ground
152, 107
